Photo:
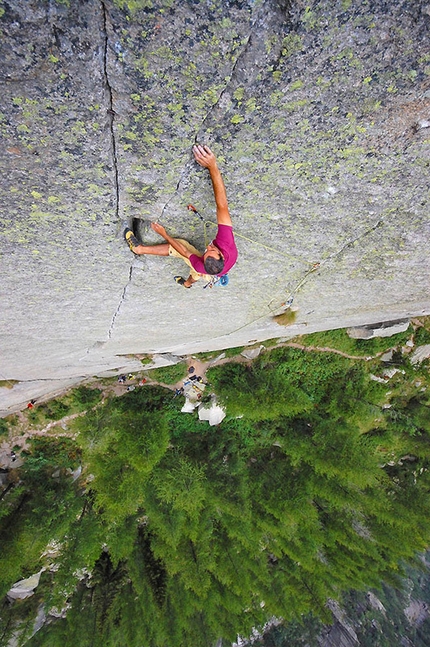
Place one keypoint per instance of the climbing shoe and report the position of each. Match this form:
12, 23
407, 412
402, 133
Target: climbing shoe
181, 281
130, 238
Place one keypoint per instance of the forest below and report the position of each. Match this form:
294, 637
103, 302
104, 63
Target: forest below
176, 533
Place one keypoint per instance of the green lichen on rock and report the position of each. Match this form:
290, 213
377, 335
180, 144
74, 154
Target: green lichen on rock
318, 114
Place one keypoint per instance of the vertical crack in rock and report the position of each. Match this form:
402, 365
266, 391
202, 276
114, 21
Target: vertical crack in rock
215, 105
123, 295
110, 110
111, 116
183, 177
260, 53
261, 50
188, 165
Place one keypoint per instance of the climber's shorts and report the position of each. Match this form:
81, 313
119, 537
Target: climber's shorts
195, 275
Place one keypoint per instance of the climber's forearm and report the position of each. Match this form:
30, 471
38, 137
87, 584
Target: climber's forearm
176, 244
220, 194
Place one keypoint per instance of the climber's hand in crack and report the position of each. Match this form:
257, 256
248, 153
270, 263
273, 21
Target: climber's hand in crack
173, 242
158, 228
204, 156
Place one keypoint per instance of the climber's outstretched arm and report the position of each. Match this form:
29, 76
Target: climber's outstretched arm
204, 156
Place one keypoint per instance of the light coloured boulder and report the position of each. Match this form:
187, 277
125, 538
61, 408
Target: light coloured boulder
24, 588
375, 378
188, 406
420, 354
214, 414
375, 602
218, 358
252, 353
164, 359
383, 329
389, 373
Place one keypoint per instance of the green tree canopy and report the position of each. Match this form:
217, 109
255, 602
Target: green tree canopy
180, 533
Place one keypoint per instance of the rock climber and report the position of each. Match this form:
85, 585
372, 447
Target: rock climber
220, 255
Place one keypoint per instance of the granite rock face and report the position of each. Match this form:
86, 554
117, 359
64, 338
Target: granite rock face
319, 112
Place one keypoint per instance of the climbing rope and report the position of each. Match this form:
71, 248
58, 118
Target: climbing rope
289, 301
313, 266
190, 207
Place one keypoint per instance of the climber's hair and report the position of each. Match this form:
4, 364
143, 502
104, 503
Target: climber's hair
214, 265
